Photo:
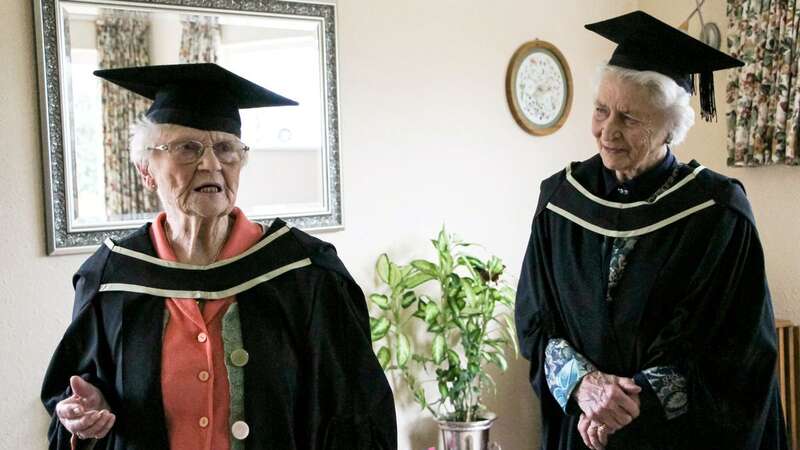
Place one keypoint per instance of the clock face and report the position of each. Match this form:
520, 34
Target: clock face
541, 88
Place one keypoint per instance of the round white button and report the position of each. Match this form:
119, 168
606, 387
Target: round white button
203, 422
240, 429
239, 357
203, 375
202, 337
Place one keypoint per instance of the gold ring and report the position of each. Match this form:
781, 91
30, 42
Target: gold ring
603, 427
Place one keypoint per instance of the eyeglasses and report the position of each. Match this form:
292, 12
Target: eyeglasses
188, 152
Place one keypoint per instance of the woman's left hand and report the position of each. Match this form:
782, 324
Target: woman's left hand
594, 435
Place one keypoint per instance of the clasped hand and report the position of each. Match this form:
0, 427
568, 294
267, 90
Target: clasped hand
85, 413
609, 403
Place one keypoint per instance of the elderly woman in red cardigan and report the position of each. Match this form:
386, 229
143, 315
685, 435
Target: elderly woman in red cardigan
202, 329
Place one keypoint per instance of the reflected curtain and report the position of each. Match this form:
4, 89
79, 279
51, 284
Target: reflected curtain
122, 41
200, 39
763, 96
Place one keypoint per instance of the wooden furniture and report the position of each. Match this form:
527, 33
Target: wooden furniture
788, 367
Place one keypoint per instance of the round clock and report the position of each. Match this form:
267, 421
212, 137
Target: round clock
539, 87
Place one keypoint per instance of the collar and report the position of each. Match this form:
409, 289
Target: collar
128, 269
641, 186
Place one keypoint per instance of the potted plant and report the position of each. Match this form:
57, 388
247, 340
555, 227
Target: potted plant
467, 327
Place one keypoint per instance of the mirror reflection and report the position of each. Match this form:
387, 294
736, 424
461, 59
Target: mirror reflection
285, 174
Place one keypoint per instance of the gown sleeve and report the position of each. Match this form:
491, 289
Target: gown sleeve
348, 378
82, 351
564, 369
668, 386
722, 338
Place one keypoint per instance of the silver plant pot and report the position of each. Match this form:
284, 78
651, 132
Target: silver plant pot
467, 435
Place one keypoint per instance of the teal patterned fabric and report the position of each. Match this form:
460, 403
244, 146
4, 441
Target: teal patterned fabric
564, 369
619, 259
232, 340
670, 388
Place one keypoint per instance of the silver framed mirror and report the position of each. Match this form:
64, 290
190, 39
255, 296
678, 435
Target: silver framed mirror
90, 186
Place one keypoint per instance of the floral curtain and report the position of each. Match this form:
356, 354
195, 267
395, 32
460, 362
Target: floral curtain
200, 39
764, 96
122, 41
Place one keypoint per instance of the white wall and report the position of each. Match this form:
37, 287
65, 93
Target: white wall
426, 139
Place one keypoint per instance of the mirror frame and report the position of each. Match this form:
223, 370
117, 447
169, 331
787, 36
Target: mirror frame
62, 240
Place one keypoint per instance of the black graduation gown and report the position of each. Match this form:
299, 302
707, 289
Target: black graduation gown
693, 296
312, 380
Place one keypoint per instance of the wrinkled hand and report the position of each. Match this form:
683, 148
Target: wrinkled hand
86, 413
594, 435
608, 399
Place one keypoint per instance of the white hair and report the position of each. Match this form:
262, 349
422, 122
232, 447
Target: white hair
665, 94
145, 133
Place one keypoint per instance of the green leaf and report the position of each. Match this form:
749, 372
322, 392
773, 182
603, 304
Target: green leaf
496, 344
453, 358
443, 391
446, 262
475, 335
426, 267
512, 334
378, 328
435, 328
470, 311
503, 297
422, 305
403, 350
431, 311
438, 348
408, 299
496, 266
384, 357
417, 279
382, 267
441, 240
472, 261
499, 360
419, 396
395, 276
381, 300
469, 293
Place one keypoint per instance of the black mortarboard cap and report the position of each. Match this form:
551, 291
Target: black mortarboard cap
646, 43
203, 96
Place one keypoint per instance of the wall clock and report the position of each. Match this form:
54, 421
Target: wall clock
539, 87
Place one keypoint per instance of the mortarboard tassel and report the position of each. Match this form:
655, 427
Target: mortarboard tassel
708, 108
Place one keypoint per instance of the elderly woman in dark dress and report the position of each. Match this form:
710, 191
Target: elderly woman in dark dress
202, 329
643, 304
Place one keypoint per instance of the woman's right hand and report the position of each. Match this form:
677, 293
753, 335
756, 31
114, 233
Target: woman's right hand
608, 399
86, 413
